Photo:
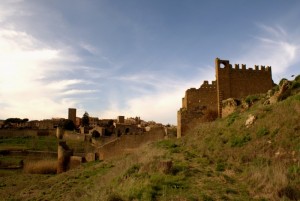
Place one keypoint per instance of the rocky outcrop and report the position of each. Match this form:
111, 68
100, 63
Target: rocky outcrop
283, 93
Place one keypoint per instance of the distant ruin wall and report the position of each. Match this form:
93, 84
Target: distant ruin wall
126, 143
27, 132
230, 83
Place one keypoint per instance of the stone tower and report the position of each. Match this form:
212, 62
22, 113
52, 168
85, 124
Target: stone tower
72, 115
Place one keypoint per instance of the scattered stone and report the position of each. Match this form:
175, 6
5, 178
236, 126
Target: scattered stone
75, 161
250, 120
91, 157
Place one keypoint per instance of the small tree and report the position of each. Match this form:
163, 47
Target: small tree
85, 119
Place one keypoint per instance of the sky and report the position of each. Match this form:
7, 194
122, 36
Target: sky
133, 57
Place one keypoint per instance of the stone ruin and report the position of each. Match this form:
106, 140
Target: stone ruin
205, 103
64, 154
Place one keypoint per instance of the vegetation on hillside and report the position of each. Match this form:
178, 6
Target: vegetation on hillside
220, 160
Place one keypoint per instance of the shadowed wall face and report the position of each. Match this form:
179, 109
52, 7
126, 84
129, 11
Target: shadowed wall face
72, 115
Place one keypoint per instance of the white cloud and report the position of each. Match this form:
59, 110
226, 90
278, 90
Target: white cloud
26, 65
77, 91
162, 104
275, 47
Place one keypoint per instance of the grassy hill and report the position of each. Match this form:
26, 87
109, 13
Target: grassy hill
220, 160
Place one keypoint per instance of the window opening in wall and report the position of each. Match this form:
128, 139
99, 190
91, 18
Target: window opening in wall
222, 65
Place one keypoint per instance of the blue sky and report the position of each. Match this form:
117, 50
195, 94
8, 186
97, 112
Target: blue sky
133, 57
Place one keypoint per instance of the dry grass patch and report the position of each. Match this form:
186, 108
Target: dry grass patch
41, 167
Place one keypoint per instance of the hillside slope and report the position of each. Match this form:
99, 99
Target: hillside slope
220, 160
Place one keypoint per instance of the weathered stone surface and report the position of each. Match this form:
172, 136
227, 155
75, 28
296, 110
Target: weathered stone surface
59, 133
279, 95
75, 161
230, 82
90, 157
64, 154
229, 106
251, 119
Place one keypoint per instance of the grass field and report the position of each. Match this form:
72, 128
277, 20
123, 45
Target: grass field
37, 143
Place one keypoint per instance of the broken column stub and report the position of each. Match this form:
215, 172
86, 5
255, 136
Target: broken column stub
64, 154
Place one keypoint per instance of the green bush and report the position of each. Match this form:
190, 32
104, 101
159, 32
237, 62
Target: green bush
282, 80
132, 170
239, 141
166, 144
262, 132
170, 145
177, 168
295, 85
231, 118
251, 99
221, 166
294, 172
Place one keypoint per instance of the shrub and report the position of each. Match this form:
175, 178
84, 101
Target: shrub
294, 171
177, 168
114, 197
132, 170
231, 118
295, 85
41, 167
251, 99
238, 141
220, 166
282, 81
262, 132
290, 192
168, 144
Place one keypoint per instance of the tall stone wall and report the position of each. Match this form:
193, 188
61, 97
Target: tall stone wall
230, 83
240, 82
195, 103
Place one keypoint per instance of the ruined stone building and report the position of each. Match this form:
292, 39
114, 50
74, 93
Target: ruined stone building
231, 82
72, 115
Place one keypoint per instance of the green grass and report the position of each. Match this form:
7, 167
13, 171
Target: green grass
38, 143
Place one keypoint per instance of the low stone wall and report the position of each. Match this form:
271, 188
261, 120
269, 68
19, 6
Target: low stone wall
70, 135
126, 143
